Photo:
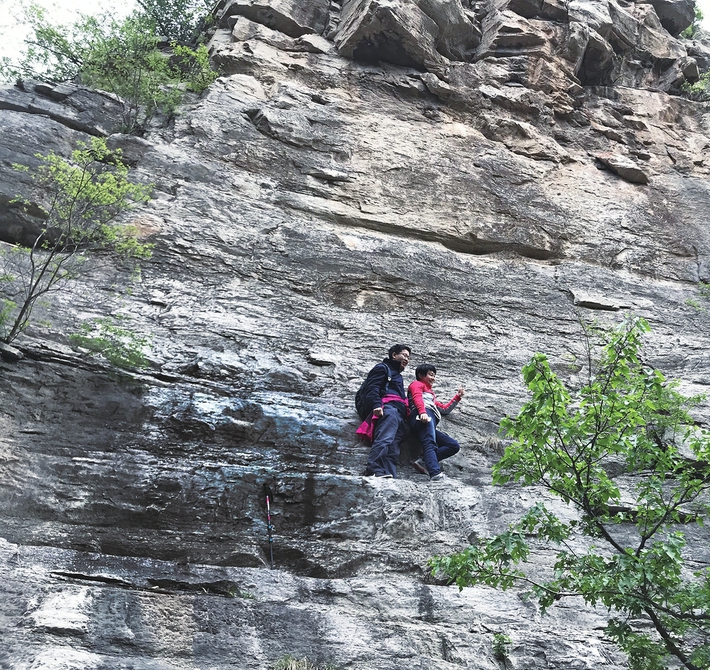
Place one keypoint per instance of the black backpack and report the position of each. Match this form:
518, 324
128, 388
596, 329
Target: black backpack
362, 405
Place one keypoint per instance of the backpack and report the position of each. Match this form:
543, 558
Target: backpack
362, 405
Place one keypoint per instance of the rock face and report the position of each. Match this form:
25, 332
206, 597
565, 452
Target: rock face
471, 180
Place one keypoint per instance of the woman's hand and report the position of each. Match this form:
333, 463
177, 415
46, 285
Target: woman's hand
424, 418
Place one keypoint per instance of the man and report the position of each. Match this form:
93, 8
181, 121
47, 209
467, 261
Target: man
384, 395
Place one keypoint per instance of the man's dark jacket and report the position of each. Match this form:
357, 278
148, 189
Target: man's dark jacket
377, 386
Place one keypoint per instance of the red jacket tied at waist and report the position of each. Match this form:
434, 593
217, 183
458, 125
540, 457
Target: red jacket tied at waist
367, 428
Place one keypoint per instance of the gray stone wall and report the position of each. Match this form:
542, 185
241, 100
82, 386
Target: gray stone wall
472, 180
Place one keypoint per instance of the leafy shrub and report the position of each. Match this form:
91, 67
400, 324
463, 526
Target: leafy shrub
700, 90
125, 60
693, 28
501, 646
193, 67
178, 20
118, 345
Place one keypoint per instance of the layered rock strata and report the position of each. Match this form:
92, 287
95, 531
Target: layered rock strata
473, 180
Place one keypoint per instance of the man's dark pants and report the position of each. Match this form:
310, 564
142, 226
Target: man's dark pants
384, 453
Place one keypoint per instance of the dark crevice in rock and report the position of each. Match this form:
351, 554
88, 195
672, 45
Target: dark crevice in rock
221, 588
224, 587
484, 248
102, 579
593, 304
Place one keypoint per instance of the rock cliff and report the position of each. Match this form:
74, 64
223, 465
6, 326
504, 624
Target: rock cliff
470, 178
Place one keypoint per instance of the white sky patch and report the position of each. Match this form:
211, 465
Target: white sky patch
13, 33
704, 7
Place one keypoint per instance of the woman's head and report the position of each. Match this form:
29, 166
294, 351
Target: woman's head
425, 372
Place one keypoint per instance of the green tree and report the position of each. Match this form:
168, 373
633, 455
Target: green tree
568, 442
501, 646
126, 61
54, 53
178, 20
81, 199
122, 57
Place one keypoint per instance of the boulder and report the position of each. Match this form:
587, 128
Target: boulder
508, 34
624, 167
10, 354
609, 43
458, 35
290, 17
442, 26
642, 34
393, 31
593, 58
74, 106
675, 15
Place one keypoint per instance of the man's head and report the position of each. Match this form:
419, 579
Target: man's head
400, 353
426, 372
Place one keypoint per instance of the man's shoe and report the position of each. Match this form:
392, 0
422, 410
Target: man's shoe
420, 467
439, 476
384, 475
